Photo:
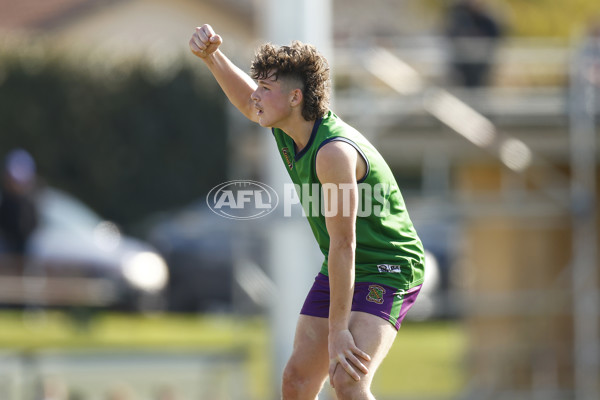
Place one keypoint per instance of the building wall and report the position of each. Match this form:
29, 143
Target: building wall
516, 280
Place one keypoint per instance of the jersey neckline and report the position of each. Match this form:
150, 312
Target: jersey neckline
313, 135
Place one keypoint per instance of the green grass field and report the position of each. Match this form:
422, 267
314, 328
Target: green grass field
426, 360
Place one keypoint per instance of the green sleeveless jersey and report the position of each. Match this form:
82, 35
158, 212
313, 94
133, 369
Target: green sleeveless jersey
388, 249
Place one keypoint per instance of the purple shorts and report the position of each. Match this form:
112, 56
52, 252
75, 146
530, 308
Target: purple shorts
386, 302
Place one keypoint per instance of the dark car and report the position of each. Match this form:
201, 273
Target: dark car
210, 259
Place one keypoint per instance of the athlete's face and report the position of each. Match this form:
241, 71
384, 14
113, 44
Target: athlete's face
272, 101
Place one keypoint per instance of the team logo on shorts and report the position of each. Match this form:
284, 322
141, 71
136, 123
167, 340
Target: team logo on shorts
376, 293
288, 158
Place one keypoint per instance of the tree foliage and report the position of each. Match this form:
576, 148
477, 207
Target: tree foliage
551, 18
127, 141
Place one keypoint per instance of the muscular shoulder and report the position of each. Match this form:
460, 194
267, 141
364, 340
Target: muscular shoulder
336, 161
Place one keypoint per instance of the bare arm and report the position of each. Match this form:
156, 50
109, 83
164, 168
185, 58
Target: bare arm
236, 84
336, 169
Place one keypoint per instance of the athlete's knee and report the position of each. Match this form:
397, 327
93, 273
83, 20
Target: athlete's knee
347, 388
290, 383
296, 383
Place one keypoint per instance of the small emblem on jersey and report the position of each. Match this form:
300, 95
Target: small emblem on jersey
396, 269
288, 157
376, 293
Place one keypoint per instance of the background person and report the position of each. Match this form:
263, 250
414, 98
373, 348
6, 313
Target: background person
473, 33
18, 212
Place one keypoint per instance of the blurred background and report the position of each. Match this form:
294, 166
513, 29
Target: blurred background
117, 282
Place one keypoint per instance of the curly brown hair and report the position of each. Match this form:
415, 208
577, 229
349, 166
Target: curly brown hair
298, 62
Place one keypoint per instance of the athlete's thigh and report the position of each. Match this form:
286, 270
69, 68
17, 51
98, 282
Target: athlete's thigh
310, 355
373, 335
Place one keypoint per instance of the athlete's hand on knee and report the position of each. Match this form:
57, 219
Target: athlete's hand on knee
205, 41
343, 351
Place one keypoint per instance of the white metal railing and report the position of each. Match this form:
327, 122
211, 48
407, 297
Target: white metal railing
529, 77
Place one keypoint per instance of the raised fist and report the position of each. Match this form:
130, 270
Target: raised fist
205, 41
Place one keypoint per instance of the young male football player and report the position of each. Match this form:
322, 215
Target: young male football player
374, 260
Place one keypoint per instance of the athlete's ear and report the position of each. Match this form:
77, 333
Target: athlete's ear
296, 97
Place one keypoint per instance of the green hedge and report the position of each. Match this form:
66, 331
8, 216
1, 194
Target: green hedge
127, 140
